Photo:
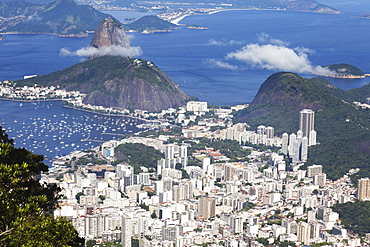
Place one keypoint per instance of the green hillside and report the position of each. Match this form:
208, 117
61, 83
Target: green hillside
62, 17
342, 129
344, 69
149, 23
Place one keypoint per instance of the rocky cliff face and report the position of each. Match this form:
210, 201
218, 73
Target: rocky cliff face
117, 80
110, 33
120, 82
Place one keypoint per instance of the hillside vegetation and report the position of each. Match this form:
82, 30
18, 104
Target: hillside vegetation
132, 153
342, 129
344, 69
355, 216
149, 23
62, 17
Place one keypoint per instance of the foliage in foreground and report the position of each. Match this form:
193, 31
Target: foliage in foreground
26, 205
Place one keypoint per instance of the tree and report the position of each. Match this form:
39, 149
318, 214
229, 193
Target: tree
90, 242
26, 205
153, 215
4, 137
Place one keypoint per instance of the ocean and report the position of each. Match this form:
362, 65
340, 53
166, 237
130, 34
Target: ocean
223, 65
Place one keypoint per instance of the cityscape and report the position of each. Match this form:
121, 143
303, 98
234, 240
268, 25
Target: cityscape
236, 124
264, 198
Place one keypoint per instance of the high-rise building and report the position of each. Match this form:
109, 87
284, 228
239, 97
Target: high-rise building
169, 151
261, 130
314, 169
296, 150
284, 144
186, 189
303, 233
126, 231
270, 132
363, 191
236, 223
312, 138
304, 149
319, 179
292, 138
306, 121
207, 207
205, 163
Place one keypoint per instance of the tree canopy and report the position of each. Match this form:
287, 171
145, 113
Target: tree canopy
26, 205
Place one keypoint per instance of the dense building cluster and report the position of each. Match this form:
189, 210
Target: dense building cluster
220, 203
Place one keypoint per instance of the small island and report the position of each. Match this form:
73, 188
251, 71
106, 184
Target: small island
346, 71
150, 24
366, 16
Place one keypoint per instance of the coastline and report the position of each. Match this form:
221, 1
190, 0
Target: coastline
78, 108
181, 17
344, 76
214, 11
31, 100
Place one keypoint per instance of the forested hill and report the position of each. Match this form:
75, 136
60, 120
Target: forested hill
342, 129
62, 17
149, 23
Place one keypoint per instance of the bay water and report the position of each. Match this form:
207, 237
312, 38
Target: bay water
198, 60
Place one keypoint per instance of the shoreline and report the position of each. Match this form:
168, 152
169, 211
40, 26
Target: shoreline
77, 108
104, 114
344, 76
31, 100
214, 11
180, 18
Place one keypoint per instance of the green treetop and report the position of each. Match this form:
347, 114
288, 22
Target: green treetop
26, 205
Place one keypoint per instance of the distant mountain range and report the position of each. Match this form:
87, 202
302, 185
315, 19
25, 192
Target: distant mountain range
289, 5
62, 17
342, 129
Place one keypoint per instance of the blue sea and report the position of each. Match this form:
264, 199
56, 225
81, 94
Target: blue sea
224, 65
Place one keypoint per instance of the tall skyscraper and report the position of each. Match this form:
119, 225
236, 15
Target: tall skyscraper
261, 130
207, 207
306, 121
292, 138
126, 231
304, 149
169, 151
284, 145
303, 233
312, 138
363, 191
270, 132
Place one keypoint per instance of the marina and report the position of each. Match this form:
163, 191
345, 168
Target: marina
48, 128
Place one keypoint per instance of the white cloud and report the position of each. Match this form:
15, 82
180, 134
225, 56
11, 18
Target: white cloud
110, 50
224, 43
265, 38
278, 57
221, 64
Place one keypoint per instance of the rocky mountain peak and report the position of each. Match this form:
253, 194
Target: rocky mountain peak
110, 33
